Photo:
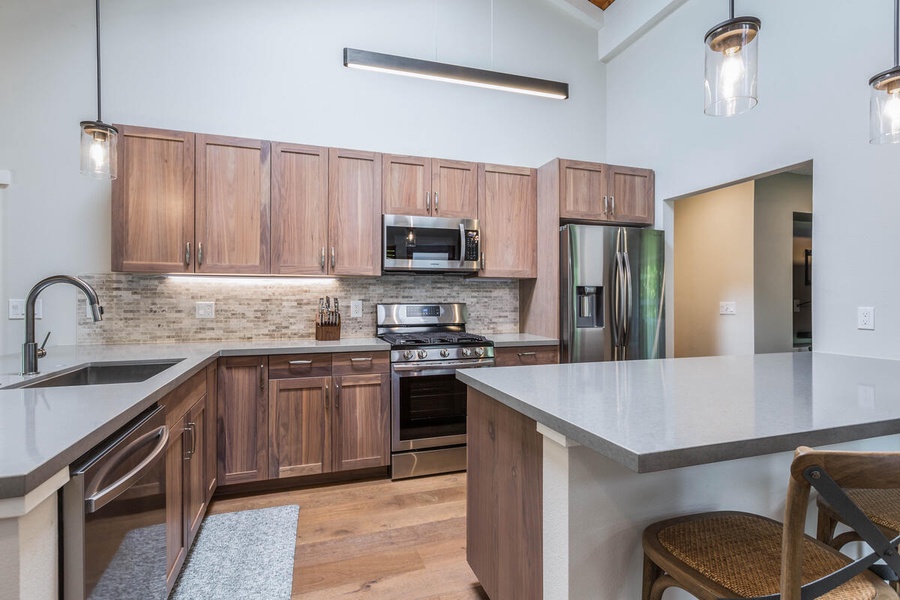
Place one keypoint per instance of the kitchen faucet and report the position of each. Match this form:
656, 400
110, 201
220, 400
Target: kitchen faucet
30, 351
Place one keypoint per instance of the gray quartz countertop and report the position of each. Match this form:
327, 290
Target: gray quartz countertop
505, 340
654, 415
42, 430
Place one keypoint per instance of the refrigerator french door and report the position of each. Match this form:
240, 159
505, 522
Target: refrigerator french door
612, 285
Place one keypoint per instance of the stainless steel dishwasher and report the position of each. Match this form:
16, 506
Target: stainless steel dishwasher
114, 516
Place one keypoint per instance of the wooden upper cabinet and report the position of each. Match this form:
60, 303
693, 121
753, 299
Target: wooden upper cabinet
153, 201
406, 185
454, 188
232, 205
299, 209
299, 426
429, 187
243, 421
600, 193
354, 212
632, 194
361, 427
507, 212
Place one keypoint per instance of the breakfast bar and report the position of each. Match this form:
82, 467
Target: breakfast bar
594, 452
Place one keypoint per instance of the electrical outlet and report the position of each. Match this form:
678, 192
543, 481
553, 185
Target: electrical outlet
865, 317
205, 310
356, 309
727, 308
17, 309
865, 395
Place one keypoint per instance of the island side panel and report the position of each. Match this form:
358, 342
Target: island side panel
503, 504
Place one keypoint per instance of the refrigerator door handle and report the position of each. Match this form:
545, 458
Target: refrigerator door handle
629, 302
617, 304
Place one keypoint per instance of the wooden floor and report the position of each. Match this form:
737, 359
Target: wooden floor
378, 539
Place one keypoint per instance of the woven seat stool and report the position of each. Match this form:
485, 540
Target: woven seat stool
719, 555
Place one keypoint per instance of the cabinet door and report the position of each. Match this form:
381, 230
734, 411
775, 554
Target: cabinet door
232, 221
176, 548
354, 212
153, 202
299, 209
631, 195
407, 185
243, 419
582, 191
212, 403
195, 482
361, 434
454, 188
299, 426
507, 212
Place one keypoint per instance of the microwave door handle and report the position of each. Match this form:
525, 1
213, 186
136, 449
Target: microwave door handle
462, 243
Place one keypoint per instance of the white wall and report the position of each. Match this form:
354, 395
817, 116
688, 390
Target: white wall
270, 69
775, 201
713, 261
815, 58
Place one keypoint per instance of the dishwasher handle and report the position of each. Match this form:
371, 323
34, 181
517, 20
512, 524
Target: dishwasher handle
96, 499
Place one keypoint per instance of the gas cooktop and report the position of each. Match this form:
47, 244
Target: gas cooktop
434, 339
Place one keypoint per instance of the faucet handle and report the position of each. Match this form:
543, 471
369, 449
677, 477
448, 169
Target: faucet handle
41, 353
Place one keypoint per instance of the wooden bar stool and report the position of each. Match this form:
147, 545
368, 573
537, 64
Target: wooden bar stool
741, 555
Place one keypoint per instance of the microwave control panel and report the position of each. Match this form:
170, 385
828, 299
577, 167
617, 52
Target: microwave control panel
471, 244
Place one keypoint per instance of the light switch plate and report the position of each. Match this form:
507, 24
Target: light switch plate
17, 309
205, 310
727, 308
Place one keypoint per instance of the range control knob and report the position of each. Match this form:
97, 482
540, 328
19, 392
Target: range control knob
479, 351
408, 354
445, 353
422, 353
467, 352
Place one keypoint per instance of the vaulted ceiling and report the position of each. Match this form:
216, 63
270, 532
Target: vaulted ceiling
603, 4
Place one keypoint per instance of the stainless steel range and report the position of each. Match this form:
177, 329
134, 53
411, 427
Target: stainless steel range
429, 343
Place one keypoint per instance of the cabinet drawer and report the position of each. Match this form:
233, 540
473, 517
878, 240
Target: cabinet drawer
526, 355
285, 366
182, 398
349, 363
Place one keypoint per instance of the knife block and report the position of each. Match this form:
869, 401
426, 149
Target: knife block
328, 332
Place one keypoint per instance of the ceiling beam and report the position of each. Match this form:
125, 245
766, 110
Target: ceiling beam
627, 20
603, 4
583, 10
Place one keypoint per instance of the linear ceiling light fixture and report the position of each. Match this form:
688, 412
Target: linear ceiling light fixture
884, 108
425, 69
731, 66
98, 139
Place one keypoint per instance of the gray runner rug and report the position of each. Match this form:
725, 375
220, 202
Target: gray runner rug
241, 555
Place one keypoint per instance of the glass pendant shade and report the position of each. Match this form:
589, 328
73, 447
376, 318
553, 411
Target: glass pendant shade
731, 67
884, 107
99, 143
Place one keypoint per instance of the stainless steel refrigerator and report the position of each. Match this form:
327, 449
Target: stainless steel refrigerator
612, 293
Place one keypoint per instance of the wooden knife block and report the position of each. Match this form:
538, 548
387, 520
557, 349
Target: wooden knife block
328, 332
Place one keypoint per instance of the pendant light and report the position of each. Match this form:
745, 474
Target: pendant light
731, 66
98, 139
884, 107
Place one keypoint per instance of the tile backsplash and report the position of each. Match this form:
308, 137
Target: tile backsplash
160, 308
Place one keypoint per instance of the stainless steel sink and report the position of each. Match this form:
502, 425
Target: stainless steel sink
100, 373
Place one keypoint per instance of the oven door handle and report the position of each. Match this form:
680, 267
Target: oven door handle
98, 499
443, 369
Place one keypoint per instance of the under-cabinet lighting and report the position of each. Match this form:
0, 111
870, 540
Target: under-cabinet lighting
252, 280
435, 71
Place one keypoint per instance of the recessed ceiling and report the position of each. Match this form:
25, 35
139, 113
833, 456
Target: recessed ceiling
603, 4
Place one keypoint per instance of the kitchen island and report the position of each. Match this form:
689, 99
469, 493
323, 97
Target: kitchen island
568, 463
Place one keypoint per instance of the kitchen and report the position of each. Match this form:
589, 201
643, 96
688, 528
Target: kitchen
292, 87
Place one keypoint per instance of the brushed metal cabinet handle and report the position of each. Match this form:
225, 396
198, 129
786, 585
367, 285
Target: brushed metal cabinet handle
322, 259
200, 253
366, 359
605, 205
326, 395
527, 353
435, 202
299, 362
428, 201
187, 253
612, 201
192, 448
337, 396
482, 261
332, 257
100, 498
262, 381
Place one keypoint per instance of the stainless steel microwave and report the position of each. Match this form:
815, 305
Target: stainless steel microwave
430, 244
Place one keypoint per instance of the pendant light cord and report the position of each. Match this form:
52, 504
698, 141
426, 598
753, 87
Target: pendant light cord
97, 28
730, 9
897, 33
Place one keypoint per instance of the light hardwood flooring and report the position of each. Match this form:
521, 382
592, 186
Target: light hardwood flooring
378, 539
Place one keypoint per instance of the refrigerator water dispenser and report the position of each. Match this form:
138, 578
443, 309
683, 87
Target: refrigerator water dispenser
590, 309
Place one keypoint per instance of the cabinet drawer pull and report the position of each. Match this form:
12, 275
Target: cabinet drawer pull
187, 253
605, 205
612, 201
262, 380
326, 395
189, 449
428, 201
332, 257
300, 362
527, 354
482, 261
322, 259
435, 203
366, 359
337, 396
200, 253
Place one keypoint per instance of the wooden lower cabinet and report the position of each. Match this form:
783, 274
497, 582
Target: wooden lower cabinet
243, 422
299, 426
361, 421
526, 355
504, 486
187, 460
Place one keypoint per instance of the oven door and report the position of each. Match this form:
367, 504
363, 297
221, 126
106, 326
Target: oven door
428, 405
